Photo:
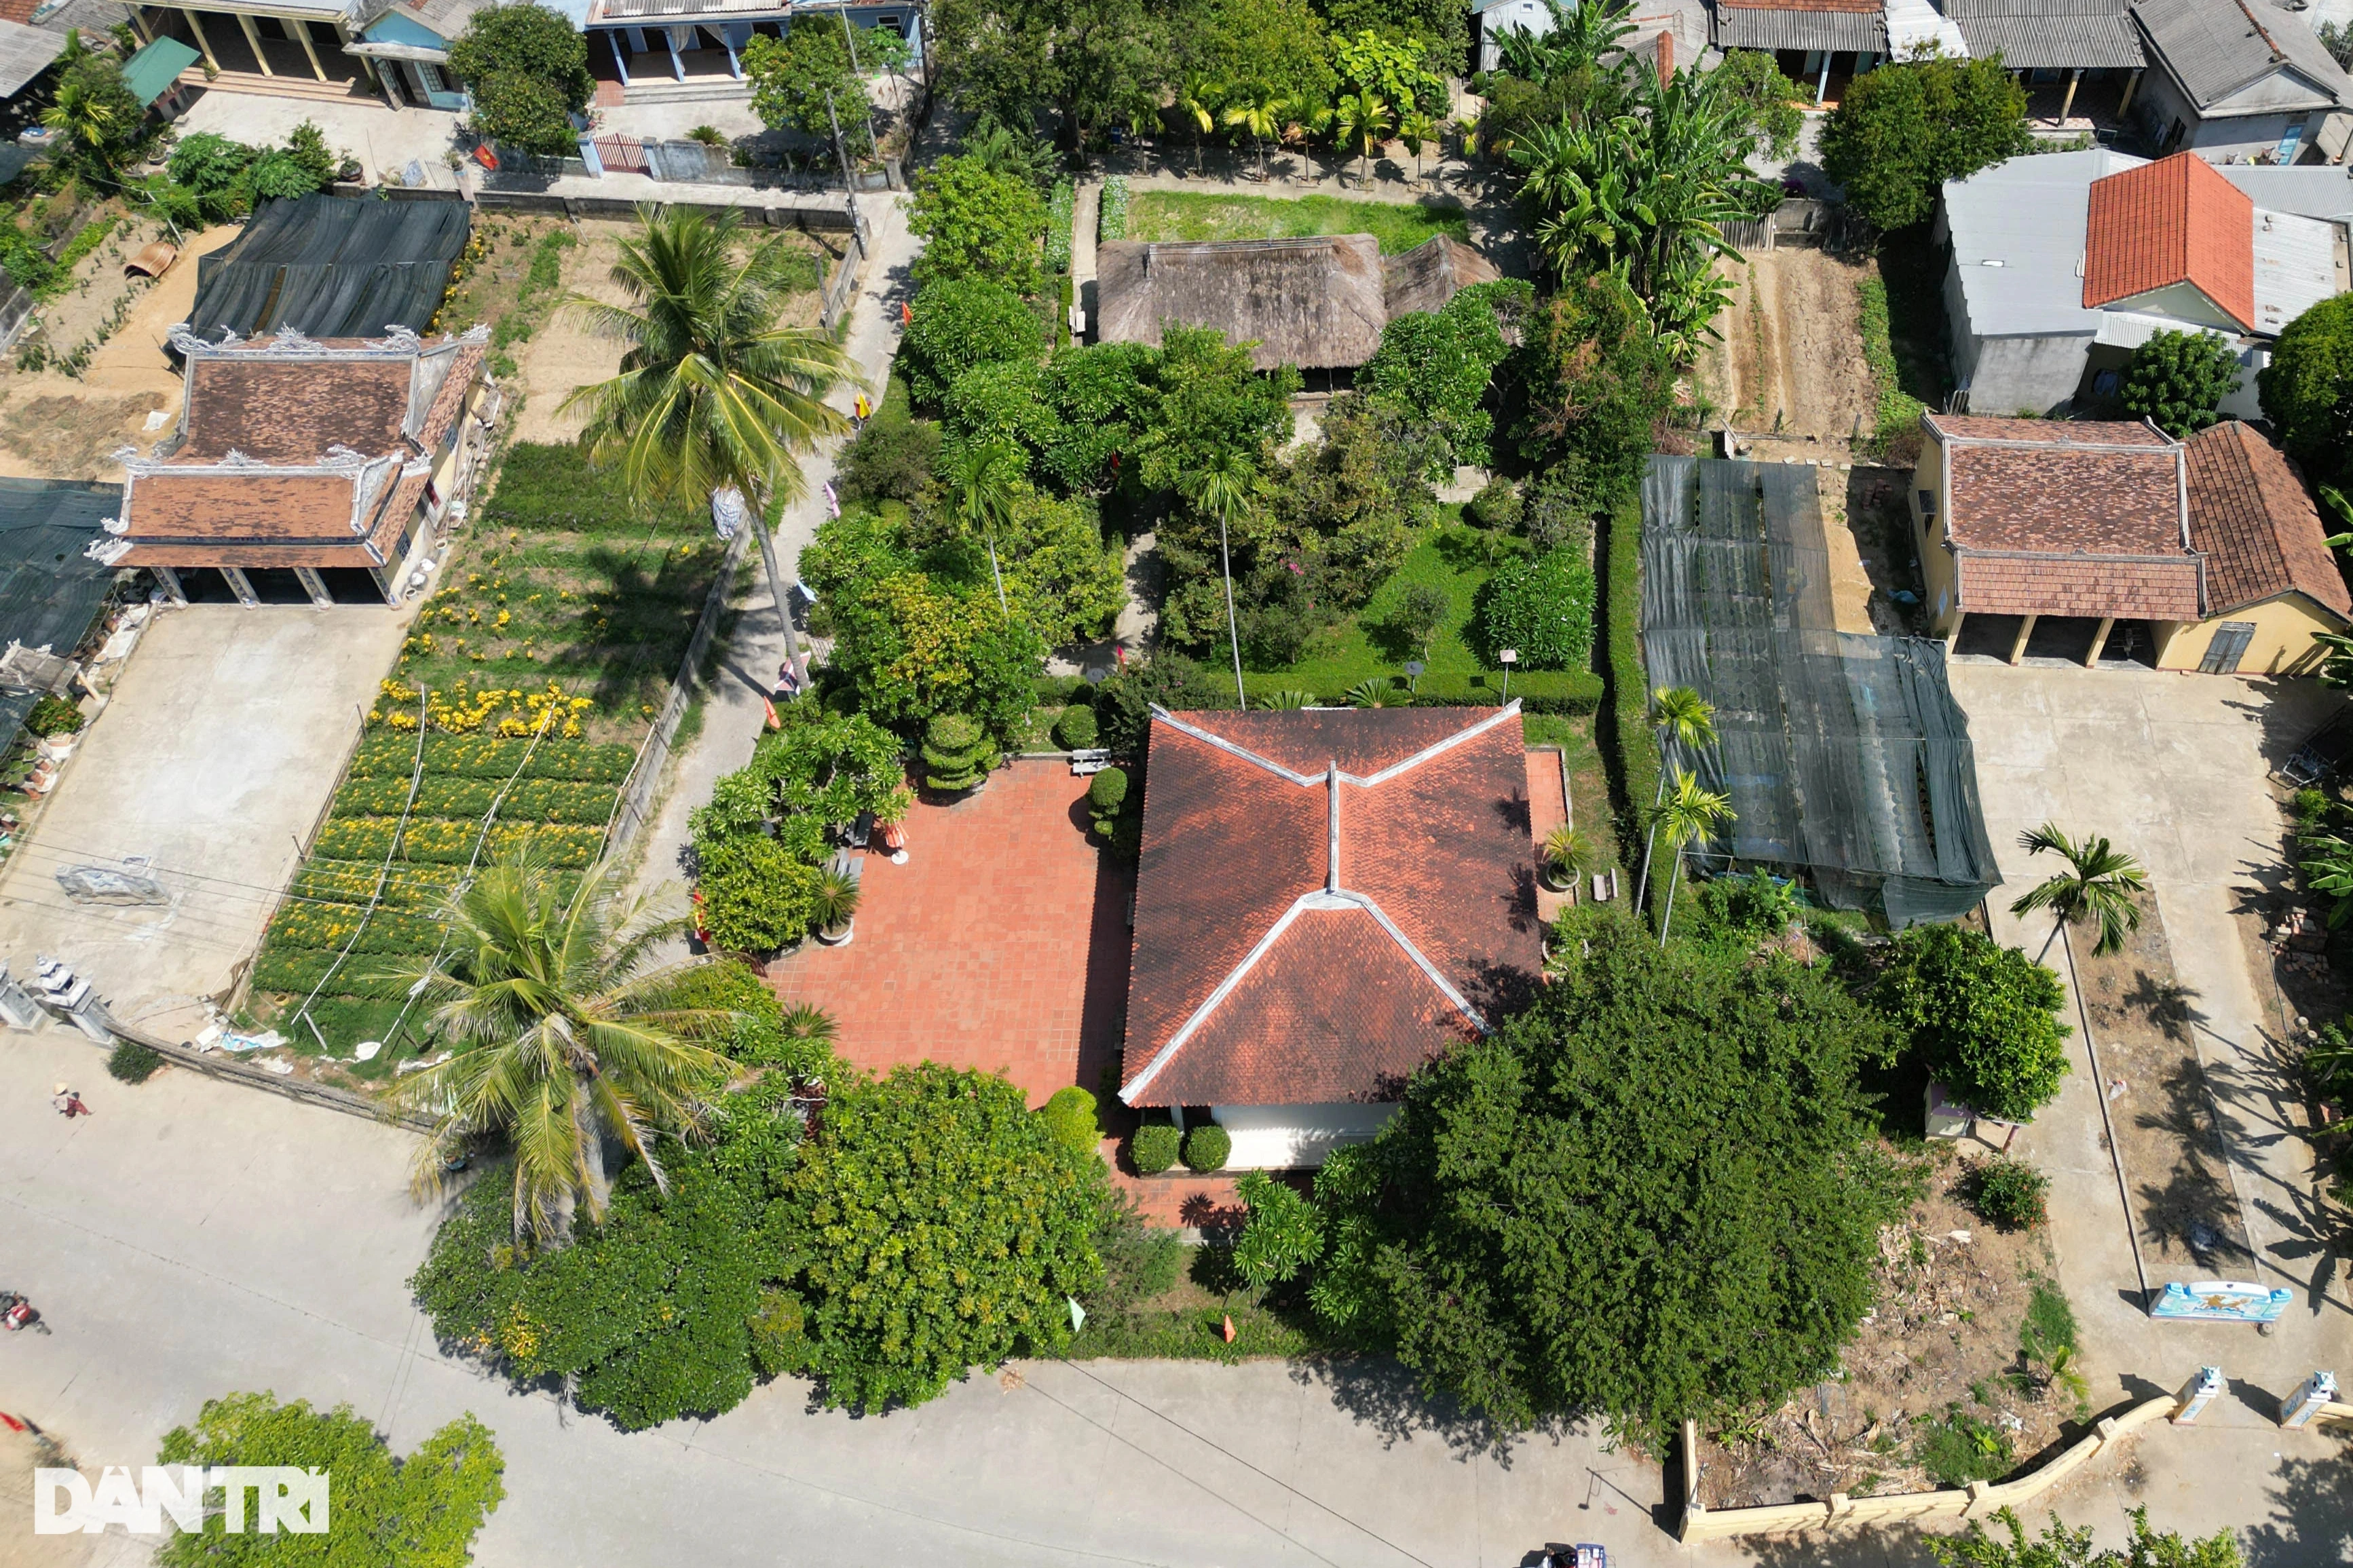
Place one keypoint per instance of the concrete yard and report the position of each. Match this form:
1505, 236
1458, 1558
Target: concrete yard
214, 758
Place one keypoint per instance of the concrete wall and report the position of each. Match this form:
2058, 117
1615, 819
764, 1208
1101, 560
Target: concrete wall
1294, 1137
1936, 569
2032, 375
2283, 640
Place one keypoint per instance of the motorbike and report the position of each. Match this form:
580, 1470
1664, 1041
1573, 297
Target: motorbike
16, 1313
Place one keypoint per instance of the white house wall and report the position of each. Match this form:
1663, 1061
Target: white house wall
1294, 1137
2031, 376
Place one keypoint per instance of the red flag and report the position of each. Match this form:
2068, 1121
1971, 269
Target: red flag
907, 314
774, 722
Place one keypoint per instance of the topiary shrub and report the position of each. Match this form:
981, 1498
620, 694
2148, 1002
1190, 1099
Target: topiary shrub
1497, 505
1075, 730
1206, 1147
2010, 1194
957, 753
1070, 1118
1154, 1147
1105, 795
132, 1062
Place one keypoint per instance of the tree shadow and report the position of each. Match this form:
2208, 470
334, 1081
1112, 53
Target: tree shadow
2311, 1513
2195, 1206
1384, 1395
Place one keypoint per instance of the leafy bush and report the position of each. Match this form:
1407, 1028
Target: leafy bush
1597, 380
1283, 1234
946, 1227
527, 69
1153, 1147
892, 459
1543, 609
756, 897
1497, 506
1106, 793
1959, 1448
960, 322
1902, 132
1140, 1261
977, 223
1123, 703
1206, 1148
422, 1511
1437, 365
1111, 217
2060, 1547
1983, 1017
2180, 379
132, 1062
2010, 1194
1059, 205
1070, 1117
1075, 730
2307, 389
957, 753
54, 716
763, 1034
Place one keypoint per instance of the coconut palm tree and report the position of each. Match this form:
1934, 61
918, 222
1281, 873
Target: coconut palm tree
2098, 886
1682, 720
563, 1032
713, 394
1690, 812
1362, 121
1221, 486
982, 480
1262, 121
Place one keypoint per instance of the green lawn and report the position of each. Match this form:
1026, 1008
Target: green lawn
1447, 557
1179, 215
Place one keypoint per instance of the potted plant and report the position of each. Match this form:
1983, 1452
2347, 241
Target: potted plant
834, 906
891, 823
1566, 852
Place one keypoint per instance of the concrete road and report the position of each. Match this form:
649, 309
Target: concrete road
215, 754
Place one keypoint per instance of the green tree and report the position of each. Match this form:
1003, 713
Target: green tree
1684, 722
2099, 885
981, 478
422, 1511
959, 323
2060, 1547
1688, 812
563, 1034
1753, 77
1093, 63
1904, 129
1363, 120
1652, 1194
1259, 119
712, 396
99, 117
526, 66
1579, 39
2307, 389
2180, 379
976, 223
1542, 609
1442, 364
946, 1229
1984, 1018
1379, 64
1597, 380
1069, 581
1264, 52
793, 76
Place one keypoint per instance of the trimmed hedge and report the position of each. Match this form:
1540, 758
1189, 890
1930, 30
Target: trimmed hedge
1572, 691
1207, 1147
1153, 1147
1628, 751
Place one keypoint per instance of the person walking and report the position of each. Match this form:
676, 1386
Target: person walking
67, 1101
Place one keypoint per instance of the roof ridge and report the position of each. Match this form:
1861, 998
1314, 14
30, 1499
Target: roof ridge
1435, 748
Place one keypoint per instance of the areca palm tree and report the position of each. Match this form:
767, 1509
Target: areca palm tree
983, 477
1193, 101
2098, 886
1259, 119
713, 394
1690, 812
1417, 129
1682, 720
1221, 486
1362, 121
565, 1032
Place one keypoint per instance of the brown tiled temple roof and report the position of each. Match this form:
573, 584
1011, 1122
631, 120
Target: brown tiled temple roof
2055, 518
1326, 898
2259, 532
291, 411
2177, 220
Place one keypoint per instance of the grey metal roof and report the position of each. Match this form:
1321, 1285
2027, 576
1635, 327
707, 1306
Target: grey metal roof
2017, 232
25, 53
2037, 35
2217, 47
1760, 28
2308, 190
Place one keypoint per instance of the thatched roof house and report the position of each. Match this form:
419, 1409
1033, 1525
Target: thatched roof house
1319, 303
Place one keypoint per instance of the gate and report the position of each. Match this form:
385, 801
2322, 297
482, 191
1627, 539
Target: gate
621, 154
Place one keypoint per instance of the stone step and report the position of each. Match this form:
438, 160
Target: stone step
694, 90
255, 83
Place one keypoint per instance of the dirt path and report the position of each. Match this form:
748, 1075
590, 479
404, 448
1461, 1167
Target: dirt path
1792, 357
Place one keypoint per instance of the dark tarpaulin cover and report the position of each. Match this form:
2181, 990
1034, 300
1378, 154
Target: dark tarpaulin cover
1844, 754
50, 591
332, 267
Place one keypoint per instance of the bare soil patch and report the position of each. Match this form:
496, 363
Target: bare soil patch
2186, 1211
1939, 1357
51, 429
1792, 362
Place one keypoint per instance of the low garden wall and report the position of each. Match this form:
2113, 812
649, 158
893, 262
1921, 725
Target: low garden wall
1977, 1500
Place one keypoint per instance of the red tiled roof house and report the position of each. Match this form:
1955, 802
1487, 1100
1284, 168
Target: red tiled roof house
2054, 533
321, 463
1325, 899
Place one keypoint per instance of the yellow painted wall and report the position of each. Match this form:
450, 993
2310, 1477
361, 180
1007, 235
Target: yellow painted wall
2283, 640
1928, 535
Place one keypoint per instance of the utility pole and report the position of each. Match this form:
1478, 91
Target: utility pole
848, 185
850, 36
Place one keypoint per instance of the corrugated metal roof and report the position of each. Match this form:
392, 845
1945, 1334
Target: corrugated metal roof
2215, 48
2310, 190
2027, 217
25, 53
2063, 35
1758, 28
150, 73
2295, 266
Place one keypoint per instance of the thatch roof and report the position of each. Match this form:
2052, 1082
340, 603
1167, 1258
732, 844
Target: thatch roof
1315, 302
1427, 276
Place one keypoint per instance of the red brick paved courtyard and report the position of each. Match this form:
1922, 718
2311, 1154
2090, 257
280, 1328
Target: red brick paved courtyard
1001, 944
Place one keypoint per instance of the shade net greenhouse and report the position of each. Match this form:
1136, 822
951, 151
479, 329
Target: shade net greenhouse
1844, 756
333, 267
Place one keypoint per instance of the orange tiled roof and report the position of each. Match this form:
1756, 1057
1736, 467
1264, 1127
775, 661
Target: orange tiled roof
2258, 528
2174, 221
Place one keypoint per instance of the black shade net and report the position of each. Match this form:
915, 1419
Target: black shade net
1844, 756
332, 267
